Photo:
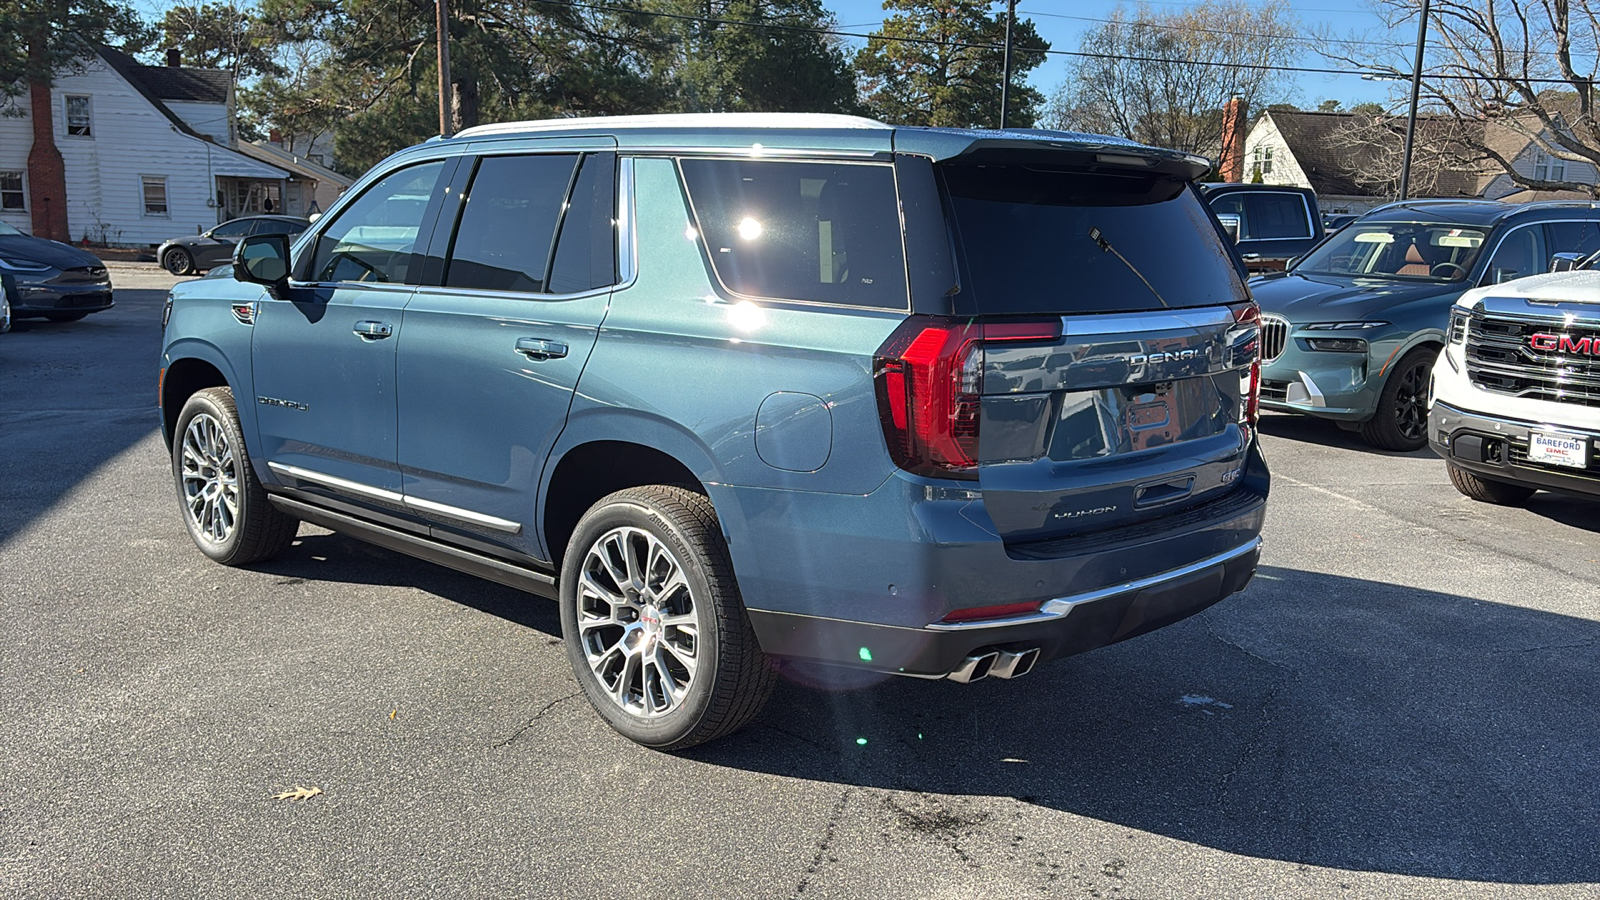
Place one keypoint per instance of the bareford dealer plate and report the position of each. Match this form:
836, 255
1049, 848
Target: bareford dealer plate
1556, 449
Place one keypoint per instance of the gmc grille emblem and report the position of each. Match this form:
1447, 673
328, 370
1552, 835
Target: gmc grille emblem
1565, 343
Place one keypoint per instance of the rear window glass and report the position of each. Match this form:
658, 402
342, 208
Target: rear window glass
1037, 240
821, 232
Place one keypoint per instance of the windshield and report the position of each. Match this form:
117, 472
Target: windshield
1039, 240
8, 230
1425, 251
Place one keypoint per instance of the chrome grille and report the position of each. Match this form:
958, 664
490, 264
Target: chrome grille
1500, 359
1274, 336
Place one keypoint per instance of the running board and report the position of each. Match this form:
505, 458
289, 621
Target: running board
496, 570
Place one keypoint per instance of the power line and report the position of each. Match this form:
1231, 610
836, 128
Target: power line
1077, 54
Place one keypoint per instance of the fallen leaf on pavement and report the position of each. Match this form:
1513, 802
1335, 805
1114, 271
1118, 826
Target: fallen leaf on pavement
299, 793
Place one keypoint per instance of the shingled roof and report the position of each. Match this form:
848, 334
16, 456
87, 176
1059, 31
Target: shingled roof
1331, 161
171, 82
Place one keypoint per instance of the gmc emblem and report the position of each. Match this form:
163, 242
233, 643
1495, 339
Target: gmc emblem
1564, 343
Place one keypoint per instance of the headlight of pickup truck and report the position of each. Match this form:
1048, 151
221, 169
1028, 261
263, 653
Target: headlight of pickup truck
1458, 325
1339, 343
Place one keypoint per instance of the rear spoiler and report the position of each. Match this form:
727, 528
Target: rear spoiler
1037, 145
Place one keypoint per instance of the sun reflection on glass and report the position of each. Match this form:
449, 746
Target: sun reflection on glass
749, 228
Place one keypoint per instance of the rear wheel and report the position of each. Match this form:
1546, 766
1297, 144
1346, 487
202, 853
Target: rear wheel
1486, 491
177, 261
224, 505
654, 625
1401, 422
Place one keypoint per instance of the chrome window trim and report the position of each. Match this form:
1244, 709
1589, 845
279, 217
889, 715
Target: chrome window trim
396, 499
627, 231
1060, 607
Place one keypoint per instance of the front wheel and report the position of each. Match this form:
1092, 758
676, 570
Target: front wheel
224, 505
1401, 422
1485, 491
653, 622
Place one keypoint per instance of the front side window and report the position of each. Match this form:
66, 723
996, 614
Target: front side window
1430, 251
508, 223
375, 237
824, 232
79, 119
1520, 254
238, 228
155, 195
12, 196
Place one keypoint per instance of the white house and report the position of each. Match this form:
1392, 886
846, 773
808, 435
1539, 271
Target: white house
148, 153
1319, 151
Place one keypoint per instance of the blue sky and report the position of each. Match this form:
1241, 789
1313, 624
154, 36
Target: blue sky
1062, 23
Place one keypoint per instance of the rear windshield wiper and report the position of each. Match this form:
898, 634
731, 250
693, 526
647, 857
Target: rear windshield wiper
1105, 245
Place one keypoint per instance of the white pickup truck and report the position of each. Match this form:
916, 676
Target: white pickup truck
1516, 393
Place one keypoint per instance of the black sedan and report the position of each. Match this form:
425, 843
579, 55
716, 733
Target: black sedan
196, 253
52, 280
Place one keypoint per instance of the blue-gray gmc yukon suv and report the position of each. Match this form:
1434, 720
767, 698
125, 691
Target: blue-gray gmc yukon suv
746, 388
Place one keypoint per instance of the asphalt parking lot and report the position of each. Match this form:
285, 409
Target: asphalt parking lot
1405, 703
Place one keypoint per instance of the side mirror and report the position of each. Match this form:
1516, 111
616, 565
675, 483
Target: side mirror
262, 259
1230, 224
1501, 276
1565, 262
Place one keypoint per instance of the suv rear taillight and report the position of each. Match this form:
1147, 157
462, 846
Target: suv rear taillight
929, 379
1246, 343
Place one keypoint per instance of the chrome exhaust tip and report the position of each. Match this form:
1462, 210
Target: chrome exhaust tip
975, 667
1014, 665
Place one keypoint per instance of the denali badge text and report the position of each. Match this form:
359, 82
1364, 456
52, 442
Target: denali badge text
1139, 359
1564, 343
1080, 513
273, 401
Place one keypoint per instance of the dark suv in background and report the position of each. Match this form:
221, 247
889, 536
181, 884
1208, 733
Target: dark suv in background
743, 388
1271, 224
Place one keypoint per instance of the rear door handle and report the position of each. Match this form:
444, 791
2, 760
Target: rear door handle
541, 348
373, 331
1249, 257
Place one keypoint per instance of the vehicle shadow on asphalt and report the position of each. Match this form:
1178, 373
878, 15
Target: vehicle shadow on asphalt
1315, 719
72, 398
1325, 433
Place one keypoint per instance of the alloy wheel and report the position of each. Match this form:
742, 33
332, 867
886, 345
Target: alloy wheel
638, 622
210, 479
1411, 402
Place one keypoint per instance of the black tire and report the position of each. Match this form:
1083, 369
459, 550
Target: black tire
65, 317
1485, 491
1401, 422
177, 261
208, 451
731, 678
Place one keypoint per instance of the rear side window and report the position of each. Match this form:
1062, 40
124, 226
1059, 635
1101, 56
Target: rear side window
586, 254
1058, 241
1266, 215
821, 232
508, 223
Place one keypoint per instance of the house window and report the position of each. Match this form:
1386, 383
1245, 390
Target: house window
1546, 167
79, 120
11, 194
1261, 160
155, 195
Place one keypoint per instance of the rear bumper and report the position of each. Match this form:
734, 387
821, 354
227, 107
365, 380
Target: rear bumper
1495, 448
1064, 626
867, 581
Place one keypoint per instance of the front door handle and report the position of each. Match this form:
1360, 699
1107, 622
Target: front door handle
1249, 257
541, 348
373, 331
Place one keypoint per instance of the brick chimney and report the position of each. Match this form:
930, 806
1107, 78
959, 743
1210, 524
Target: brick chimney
1235, 117
174, 58
274, 136
47, 174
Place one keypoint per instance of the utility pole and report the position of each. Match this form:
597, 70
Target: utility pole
442, 28
1416, 89
1005, 79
